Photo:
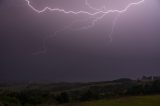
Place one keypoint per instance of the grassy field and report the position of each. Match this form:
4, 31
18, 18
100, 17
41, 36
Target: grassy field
125, 101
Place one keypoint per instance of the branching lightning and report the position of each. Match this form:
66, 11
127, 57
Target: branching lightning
98, 11
98, 14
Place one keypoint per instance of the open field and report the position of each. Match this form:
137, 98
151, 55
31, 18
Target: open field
124, 101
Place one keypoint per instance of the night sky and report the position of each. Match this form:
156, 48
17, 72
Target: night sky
47, 47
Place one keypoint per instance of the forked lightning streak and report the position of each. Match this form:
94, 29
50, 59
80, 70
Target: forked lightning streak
101, 12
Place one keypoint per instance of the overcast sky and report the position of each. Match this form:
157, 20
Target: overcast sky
46, 47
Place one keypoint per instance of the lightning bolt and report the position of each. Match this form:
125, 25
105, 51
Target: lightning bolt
98, 11
98, 14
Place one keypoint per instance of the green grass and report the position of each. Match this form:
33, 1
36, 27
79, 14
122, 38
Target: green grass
124, 101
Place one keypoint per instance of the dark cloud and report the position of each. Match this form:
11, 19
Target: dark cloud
84, 55
1, 1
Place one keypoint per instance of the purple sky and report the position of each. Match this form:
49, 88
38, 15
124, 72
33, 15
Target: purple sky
31, 51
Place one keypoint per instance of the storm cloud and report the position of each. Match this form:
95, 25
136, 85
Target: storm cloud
40, 47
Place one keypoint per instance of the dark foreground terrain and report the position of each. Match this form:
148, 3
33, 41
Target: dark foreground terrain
123, 101
121, 92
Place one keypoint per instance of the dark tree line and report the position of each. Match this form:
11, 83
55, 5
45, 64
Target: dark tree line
117, 88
